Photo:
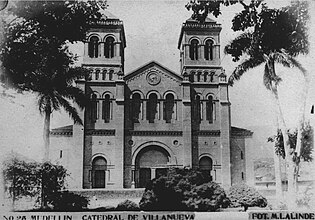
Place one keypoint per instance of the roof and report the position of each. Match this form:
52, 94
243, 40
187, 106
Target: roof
149, 65
65, 130
241, 132
193, 24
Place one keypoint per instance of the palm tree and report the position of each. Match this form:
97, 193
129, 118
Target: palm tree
269, 43
54, 92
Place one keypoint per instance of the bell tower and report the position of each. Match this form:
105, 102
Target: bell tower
205, 90
103, 133
199, 45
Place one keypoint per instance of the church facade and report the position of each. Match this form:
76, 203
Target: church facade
139, 124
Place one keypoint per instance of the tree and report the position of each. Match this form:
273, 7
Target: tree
245, 196
269, 36
44, 181
35, 53
272, 40
183, 189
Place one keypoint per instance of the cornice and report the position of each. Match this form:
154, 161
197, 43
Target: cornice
207, 133
100, 132
155, 133
61, 133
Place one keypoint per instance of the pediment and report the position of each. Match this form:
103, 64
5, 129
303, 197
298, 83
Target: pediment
153, 72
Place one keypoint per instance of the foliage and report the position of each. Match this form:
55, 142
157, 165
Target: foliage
41, 180
21, 178
277, 35
36, 40
183, 189
68, 201
201, 8
127, 205
245, 196
207, 197
306, 147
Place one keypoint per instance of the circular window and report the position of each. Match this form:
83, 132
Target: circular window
175, 142
153, 78
131, 142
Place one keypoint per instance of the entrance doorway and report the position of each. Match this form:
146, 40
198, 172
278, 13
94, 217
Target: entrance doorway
99, 166
151, 162
205, 166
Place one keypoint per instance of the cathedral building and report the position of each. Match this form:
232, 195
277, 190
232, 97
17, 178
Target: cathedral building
138, 124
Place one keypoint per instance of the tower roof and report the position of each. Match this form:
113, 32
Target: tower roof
193, 24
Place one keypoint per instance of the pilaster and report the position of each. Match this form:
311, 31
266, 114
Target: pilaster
186, 117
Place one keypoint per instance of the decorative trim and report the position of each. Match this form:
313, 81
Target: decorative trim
61, 133
156, 133
207, 133
100, 132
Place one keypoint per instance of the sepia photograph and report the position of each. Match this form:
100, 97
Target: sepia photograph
157, 109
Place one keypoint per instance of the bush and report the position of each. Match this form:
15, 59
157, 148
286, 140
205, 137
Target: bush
183, 189
245, 196
127, 205
207, 197
68, 201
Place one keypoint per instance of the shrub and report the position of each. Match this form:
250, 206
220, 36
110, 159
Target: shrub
68, 201
245, 196
183, 189
207, 197
127, 205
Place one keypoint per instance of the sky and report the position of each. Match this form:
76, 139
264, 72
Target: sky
152, 29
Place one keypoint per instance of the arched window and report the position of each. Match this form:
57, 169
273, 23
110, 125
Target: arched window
110, 75
152, 107
97, 74
193, 50
94, 112
168, 108
211, 76
209, 50
93, 47
104, 74
198, 76
109, 51
198, 109
205, 77
135, 107
205, 166
106, 109
99, 167
210, 109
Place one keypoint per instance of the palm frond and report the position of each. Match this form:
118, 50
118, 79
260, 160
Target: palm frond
73, 113
248, 64
288, 60
239, 46
75, 94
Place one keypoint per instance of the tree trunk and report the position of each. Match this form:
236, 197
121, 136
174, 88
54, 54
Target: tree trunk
46, 135
288, 159
299, 140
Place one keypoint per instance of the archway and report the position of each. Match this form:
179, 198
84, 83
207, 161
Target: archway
205, 166
151, 162
99, 167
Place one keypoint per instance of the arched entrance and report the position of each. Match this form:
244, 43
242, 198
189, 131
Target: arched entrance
99, 166
205, 166
151, 162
